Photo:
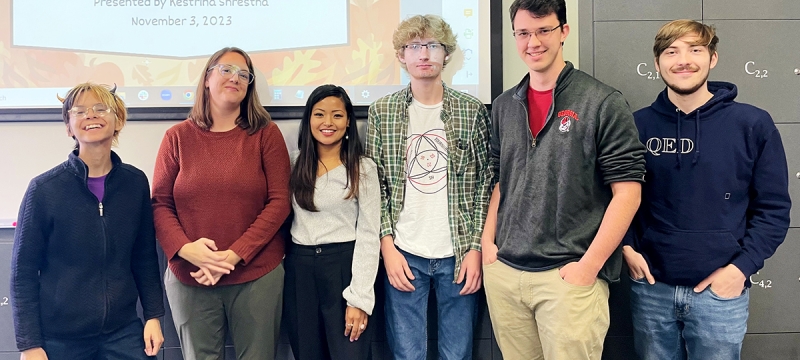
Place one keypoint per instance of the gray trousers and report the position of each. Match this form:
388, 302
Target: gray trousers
250, 311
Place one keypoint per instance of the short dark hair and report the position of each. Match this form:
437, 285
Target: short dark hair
540, 8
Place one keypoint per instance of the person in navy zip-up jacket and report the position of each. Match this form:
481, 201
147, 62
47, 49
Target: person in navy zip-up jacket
715, 205
84, 250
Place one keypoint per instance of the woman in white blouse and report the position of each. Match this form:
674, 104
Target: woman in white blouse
332, 261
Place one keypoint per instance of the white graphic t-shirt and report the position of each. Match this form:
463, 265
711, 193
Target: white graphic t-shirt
423, 228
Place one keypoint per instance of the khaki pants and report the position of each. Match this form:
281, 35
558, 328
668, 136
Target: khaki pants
251, 312
538, 315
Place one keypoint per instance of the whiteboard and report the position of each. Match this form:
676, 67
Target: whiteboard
29, 149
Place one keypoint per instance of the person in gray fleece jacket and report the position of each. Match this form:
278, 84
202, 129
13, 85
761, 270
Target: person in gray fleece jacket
567, 156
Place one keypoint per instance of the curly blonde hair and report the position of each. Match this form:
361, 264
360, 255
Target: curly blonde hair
422, 26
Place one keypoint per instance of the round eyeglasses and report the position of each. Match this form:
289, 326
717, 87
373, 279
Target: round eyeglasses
227, 71
81, 112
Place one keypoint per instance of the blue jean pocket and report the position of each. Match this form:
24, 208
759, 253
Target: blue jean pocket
716, 296
642, 281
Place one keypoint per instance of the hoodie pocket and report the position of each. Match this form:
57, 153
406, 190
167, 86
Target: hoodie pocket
687, 257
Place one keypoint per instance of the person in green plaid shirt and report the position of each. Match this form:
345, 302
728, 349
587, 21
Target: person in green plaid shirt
431, 146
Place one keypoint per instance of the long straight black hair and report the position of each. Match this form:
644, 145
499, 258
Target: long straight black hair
304, 174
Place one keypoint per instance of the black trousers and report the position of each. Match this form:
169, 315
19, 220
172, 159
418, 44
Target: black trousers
314, 308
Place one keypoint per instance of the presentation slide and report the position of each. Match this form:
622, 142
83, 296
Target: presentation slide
156, 50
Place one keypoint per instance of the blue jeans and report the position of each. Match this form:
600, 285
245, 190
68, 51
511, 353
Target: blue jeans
407, 312
674, 322
126, 343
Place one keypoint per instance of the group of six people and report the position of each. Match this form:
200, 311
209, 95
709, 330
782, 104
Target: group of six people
539, 203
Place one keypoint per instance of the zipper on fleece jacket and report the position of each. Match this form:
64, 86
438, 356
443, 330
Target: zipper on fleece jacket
105, 261
103, 225
105, 251
533, 142
546, 120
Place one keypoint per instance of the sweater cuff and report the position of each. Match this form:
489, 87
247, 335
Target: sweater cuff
153, 315
240, 248
745, 265
171, 248
628, 240
353, 300
30, 344
476, 242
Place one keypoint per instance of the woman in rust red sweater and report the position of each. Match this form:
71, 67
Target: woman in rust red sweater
220, 196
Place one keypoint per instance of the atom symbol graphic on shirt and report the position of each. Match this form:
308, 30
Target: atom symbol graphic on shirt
426, 161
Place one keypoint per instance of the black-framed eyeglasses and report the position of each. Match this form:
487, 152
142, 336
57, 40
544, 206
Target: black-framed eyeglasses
227, 71
81, 112
432, 47
540, 33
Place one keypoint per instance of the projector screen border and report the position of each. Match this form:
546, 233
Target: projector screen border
278, 112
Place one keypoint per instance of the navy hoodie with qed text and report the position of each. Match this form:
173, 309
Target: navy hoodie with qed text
716, 188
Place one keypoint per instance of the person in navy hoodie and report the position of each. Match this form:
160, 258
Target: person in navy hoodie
85, 249
715, 205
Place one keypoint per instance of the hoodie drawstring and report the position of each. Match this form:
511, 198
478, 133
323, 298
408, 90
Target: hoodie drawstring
678, 136
697, 138
696, 141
